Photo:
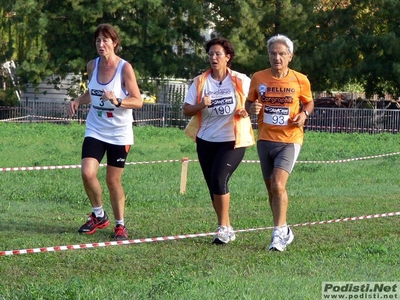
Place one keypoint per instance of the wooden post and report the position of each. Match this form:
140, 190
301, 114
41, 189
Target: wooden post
185, 164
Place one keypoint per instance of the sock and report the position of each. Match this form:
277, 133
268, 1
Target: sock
120, 222
281, 229
98, 211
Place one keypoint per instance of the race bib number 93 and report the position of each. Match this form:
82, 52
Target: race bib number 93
276, 115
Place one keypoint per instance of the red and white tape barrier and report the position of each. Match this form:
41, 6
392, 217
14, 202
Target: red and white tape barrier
189, 160
177, 237
334, 161
347, 160
362, 129
38, 118
79, 166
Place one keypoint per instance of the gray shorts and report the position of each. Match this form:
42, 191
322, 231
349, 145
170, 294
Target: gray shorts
277, 155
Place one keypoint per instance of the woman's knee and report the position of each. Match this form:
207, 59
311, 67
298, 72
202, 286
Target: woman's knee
113, 182
219, 186
88, 174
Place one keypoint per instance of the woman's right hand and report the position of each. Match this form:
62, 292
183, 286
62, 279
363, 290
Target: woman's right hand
206, 101
72, 108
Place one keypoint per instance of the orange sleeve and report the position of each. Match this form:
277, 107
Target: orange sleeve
306, 95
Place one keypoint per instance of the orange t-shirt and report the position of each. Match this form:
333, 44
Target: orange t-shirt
281, 99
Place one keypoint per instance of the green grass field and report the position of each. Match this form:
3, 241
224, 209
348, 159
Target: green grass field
44, 208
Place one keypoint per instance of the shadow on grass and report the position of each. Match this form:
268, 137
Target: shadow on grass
35, 227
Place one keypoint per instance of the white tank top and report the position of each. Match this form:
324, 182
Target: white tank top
106, 122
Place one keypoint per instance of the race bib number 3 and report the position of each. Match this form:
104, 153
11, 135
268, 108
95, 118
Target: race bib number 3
276, 115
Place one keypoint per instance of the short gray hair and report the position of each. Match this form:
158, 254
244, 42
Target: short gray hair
280, 38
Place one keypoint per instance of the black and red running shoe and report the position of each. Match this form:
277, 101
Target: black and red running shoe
120, 233
94, 223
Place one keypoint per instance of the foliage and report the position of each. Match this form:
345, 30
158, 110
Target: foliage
8, 97
336, 42
10, 94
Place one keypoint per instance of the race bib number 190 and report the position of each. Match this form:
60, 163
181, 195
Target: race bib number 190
222, 106
276, 115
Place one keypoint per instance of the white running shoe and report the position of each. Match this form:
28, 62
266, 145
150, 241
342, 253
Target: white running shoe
280, 240
224, 235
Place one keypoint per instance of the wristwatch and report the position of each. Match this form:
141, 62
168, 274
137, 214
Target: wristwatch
306, 112
119, 100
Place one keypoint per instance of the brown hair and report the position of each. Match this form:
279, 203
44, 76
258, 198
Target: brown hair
110, 32
224, 43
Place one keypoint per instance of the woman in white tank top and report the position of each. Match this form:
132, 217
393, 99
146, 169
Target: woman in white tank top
113, 92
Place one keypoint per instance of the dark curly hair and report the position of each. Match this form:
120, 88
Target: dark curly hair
224, 43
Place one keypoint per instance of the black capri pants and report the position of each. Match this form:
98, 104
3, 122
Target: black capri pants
218, 161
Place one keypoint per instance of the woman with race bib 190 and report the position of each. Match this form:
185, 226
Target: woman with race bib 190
220, 126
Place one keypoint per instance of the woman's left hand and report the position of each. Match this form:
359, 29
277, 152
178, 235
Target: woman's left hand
108, 96
242, 112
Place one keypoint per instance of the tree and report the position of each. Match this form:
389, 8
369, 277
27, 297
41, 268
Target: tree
149, 31
30, 25
249, 24
244, 23
327, 52
378, 44
337, 42
167, 37
356, 42
6, 32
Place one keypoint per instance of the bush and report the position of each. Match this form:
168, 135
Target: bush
8, 98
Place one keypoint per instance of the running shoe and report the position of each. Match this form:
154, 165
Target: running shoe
94, 223
120, 233
224, 235
280, 240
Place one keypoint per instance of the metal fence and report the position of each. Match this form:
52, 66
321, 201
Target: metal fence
170, 115
354, 120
